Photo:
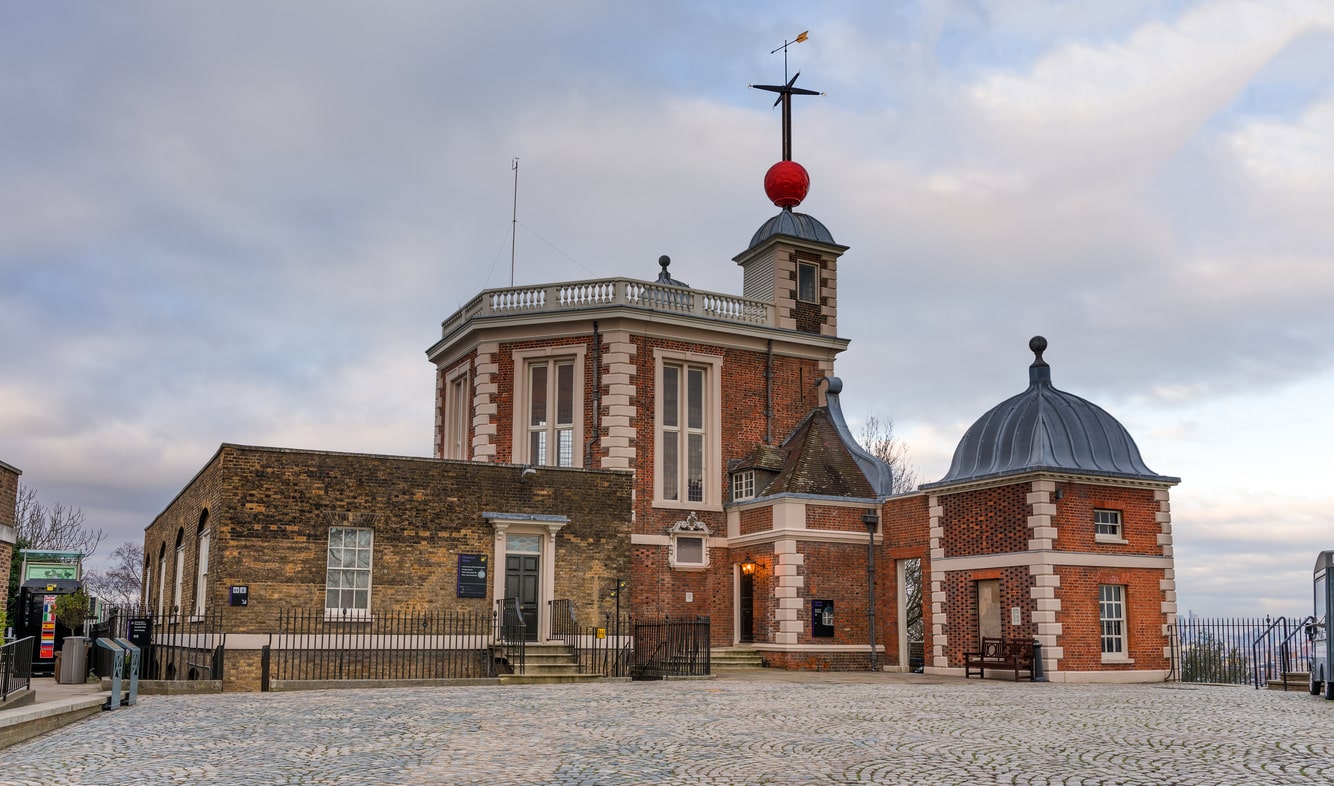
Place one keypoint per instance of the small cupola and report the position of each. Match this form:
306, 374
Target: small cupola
1046, 429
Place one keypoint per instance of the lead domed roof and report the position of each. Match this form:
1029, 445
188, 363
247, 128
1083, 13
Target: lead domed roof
1046, 429
798, 225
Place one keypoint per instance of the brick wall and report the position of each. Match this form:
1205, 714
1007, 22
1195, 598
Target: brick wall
9, 485
986, 521
756, 520
1139, 523
1081, 632
836, 518
270, 512
9, 489
904, 524
837, 572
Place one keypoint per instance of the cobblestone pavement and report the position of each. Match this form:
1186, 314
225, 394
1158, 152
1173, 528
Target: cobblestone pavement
818, 730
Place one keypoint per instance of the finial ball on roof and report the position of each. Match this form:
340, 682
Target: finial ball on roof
1038, 344
664, 261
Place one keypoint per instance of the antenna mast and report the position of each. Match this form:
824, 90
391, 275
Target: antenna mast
514, 217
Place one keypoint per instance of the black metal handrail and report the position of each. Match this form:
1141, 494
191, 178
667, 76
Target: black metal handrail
16, 666
1302, 654
512, 632
1263, 638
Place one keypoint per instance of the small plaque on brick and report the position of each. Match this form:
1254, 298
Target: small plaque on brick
472, 575
822, 619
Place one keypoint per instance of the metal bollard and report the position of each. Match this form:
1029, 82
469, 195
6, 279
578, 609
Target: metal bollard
1038, 674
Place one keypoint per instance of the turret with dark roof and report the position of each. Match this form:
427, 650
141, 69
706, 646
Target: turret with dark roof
1044, 429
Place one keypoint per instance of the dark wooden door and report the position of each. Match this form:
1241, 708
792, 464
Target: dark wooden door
746, 609
522, 581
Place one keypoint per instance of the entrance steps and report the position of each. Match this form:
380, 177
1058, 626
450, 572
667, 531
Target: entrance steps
548, 663
725, 658
1292, 681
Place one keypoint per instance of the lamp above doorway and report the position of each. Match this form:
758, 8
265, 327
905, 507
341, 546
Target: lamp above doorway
748, 566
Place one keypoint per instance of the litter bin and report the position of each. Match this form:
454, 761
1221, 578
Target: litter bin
72, 667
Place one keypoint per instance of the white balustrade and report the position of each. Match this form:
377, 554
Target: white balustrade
612, 292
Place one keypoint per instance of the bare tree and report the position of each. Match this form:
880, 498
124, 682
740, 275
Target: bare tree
120, 583
53, 527
879, 440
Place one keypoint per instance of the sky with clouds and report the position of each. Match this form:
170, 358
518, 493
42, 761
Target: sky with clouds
244, 222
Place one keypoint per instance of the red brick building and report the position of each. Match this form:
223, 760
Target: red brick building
1050, 526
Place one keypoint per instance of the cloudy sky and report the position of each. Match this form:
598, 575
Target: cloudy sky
244, 222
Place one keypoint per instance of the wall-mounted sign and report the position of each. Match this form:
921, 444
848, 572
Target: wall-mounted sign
472, 576
822, 619
51, 572
240, 595
141, 631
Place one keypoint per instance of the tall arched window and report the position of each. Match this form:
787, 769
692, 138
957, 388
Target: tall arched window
162, 579
145, 598
180, 571
201, 564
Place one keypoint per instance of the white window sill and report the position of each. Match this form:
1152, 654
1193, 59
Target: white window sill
667, 504
1110, 539
197, 618
1117, 660
690, 567
337, 615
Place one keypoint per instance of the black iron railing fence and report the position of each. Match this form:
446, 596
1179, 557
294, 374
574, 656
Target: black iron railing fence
16, 666
605, 649
671, 648
172, 646
1239, 650
311, 644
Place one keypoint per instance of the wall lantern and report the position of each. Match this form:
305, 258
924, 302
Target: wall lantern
748, 567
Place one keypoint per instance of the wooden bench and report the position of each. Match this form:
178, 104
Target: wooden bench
1008, 654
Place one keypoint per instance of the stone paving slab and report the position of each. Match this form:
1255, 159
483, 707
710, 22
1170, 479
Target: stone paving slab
749, 730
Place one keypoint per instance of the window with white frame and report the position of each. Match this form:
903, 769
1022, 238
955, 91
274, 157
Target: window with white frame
1112, 619
162, 580
743, 485
683, 433
456, 415
201, 564
689, 548
348, 576
180, 571
551, 412
1107, 524
808, 277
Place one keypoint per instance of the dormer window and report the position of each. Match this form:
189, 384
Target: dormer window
743, 485
689, 549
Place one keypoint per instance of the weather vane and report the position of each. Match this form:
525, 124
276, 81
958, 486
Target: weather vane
785, 92
787, 182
